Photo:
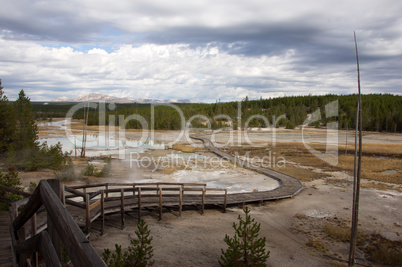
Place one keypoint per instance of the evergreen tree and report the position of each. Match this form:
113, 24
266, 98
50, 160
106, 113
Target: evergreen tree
140, 252
246, 248
24, 149
26, 131
6, 122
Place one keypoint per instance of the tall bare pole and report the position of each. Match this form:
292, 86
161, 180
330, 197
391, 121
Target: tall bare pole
346, 135
83, 134
84, 131
357, 168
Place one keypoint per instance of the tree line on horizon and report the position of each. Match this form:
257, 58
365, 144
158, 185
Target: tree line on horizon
381, 113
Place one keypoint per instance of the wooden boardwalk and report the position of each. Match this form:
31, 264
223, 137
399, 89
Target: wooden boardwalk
6, 256
153, 198
288, 186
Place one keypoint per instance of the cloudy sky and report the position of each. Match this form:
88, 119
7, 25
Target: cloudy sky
202, 50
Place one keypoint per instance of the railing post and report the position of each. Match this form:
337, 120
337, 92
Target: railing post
122, 208
160, 203
62, 194
225, 200
134, 190
203, 200
52, 231
103, 212
87, 214
33, 233
107, 190
139, 203
20, 233
180, 200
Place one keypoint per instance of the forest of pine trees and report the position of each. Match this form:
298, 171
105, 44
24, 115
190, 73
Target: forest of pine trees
381, 112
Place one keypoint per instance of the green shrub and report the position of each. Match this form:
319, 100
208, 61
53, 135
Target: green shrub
139, 253
12, 180
246, 248
89, 170
67, 173
106, 168
37, 157
115, 259
52, 157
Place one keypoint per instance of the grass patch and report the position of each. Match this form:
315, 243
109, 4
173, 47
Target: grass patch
304, 175
342, 233
338, 182
388, 150
90, 169
316, 244
381, 186
168, 170
184, 148
376, 159
301, 216
384, 251
337, 233
373, 166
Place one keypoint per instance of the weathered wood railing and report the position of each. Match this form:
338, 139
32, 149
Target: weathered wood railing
137, 195
13, 191
61, 229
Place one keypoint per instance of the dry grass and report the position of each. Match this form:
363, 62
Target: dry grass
389, 150
376, 159
304, 175
373, 166
316, 244
168, 170
377, 248
338, 233
384, 251
339, 182
184, 148
342, 233
381, 186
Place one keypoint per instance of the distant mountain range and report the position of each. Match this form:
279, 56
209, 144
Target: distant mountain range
94, 97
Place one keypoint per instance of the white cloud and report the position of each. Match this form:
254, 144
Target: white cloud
200, 50
154, 71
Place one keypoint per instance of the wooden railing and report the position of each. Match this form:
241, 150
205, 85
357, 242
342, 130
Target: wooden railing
136, 193
46, 209
61, 229
13, 191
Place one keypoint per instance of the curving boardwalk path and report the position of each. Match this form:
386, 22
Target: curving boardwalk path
288, 186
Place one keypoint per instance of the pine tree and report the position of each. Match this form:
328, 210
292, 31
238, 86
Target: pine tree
140, 252
6, 122
24, 149
26, 132
246, 248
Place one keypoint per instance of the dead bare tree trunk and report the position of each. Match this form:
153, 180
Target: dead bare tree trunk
84, 131
357, 169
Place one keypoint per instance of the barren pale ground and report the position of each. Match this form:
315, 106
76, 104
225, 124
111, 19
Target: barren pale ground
296, 229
